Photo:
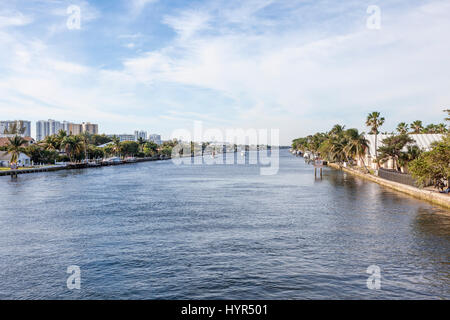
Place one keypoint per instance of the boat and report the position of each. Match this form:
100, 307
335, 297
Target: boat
112, 160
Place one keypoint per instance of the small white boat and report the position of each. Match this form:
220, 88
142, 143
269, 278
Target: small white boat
112, 160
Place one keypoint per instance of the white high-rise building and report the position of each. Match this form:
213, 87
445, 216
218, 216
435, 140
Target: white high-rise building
45, 128
65, 126
42, 129
156, 138
20, 124
54, 126
140, 134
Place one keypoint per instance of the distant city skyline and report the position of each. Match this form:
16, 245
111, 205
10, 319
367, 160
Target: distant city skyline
44, 128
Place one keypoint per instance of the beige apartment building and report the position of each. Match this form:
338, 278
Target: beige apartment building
90, 127
75, 128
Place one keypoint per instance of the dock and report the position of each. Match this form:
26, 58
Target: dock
71, 166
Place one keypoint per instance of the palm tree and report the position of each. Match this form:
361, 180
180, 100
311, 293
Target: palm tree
357, 145
431, 128
15, 147
374, 121
417, 126
85, 137
141, 142
330, 146
337, 130
392, 147
60, 137
50, 143
297, 144
402, 128
412, 153
334, 147
448, 115
73, 145
116, 145
441, 128
337, 151
315, 141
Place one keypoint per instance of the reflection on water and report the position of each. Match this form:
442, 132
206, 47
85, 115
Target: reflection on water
433, 221
434, 225
159, 231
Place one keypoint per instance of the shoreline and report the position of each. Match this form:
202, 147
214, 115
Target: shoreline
73, 166
422, 194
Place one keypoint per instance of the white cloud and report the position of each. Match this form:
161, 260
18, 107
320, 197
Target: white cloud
66, 67
279, 75
36, 84
188, 23
138, 5
13, 19
149, 67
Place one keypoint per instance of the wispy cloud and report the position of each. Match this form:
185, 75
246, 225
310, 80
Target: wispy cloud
353, 72
10, 18
138, 5
188, 23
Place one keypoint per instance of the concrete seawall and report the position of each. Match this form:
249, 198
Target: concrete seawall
433, 197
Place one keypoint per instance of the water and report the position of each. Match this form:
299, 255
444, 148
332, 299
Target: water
157, 231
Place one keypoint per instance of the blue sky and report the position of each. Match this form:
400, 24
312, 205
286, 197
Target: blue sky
299, 66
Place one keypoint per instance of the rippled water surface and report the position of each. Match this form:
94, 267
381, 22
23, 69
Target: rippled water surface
158, 231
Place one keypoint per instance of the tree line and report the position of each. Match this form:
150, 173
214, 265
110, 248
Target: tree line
63, 147
341, 145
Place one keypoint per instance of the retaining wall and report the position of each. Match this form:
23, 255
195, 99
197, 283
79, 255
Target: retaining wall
431, 196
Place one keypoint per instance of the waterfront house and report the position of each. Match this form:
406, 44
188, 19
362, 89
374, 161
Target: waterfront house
123, 137
22, 161
423, 141
105, 145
